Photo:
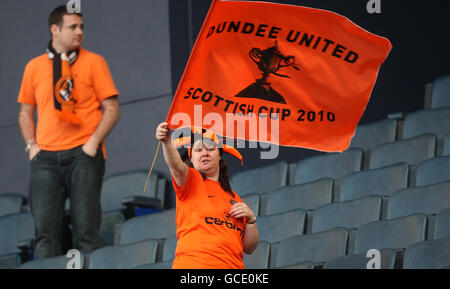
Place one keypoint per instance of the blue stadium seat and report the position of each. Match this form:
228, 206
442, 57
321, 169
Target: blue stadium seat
382, 181
433, 254
155, 226
11, 203
259, 259
308, 196
314, 248
59, 262
440, 94
433, 171
253, 201
334, 165
348, 214
423, 200
442, 228
14, 228
368, 136
427, 121
360, 261
275, 228
411, 151
260, 180
126, 256
390, 234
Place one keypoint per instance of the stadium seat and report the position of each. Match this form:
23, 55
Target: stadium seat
275, 228
119, 186
360, 261
433, 254
126, 256
260, 180
315, 248
411, 151
442, 227
446, 150
427, 121
155, 226
433, 171
348, 214
11, 203
334, 165
304, 196
382, 181
391, 234
59, 262
128, 186
253, 201
157, 265
423, 200
14, 228
302, 265
368, 136
170, 245
440, 94
259, 259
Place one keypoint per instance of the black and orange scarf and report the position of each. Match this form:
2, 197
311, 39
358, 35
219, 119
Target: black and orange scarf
63, 84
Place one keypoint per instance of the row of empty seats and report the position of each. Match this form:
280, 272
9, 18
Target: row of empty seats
401, 241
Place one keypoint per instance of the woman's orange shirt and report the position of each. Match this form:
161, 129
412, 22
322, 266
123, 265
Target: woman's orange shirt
208, 236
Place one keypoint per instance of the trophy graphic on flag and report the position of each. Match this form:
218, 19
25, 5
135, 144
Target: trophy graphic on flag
269, 61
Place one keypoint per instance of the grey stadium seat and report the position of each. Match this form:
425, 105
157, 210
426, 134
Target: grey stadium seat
119, 186
433, 254
260, 180
411, 151
253, 201
390, 234
59, 262
370, 135
334, 165
382, 181
440, 94
315, 248
11, 203
302, 265
349, 214
124, 256
259, 259
275, 228
446, 151
155, 226
427, 121
157, 265
170, 245
304, 196
423, 200
359, 261
442, 225
433, 171
14, 228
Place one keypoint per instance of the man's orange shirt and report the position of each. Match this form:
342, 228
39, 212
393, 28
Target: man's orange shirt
208, 237
92, 84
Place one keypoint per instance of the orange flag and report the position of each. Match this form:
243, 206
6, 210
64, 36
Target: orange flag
283, 74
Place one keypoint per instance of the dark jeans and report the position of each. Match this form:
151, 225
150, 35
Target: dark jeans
56, 176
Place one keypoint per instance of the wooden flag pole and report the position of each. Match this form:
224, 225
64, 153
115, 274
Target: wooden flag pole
151, 168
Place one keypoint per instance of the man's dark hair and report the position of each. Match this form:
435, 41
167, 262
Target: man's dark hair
56, 17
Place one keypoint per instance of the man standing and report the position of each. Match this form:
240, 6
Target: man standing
69, 86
